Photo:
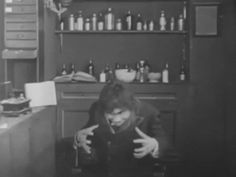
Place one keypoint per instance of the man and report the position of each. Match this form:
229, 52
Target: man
123, 136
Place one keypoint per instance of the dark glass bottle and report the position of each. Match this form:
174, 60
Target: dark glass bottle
63, 70
91, 68
182, 73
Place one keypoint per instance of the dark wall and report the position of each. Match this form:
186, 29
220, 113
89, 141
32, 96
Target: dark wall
1, 42
230, 44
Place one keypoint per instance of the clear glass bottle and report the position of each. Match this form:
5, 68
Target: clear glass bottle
165, 74
181, 23
94, 22
109, 20
80, 21
118, 24
71, 22
87, 24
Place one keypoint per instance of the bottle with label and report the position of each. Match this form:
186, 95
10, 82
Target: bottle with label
94, 22
87, 24
71, 22
162, 21
129, 20
109, 20
182, 73
80, 21
181, 23
100, 22
91, 68
165, 74
63, 70
139, 23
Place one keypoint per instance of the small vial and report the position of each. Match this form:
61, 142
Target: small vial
62, 26
109, 20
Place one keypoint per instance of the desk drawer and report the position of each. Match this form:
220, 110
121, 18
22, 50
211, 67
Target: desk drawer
20, 2
20, 9
21, 26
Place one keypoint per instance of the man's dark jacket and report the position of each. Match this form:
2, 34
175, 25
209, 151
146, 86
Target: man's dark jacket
112, 154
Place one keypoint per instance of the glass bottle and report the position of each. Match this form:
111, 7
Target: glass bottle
91, 68
165, 74
94, 22
162, 21
137, 77
139, 23
100, 22
71, 22
141, 70
182, 73
63, 70
129, 20
80, 21
181, 23
87, 24
118, 24
172, 23
151, 25
109, 20
72, 71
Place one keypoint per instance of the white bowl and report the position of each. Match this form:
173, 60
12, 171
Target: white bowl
125, 75
154, 76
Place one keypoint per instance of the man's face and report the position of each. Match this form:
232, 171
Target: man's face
118, 116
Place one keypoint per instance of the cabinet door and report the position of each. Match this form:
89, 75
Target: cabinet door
72, 115
168, 112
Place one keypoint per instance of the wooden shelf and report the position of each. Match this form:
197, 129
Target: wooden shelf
120, 32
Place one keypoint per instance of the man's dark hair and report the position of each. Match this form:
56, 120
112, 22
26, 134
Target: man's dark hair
116, 95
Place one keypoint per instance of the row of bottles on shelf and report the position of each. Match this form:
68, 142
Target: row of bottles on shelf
142, 68
109, 22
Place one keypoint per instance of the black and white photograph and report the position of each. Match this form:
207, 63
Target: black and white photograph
117, 88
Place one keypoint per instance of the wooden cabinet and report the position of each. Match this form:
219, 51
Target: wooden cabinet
74, 101
28, 145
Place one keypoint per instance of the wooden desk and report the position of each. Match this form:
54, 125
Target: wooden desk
27, 144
